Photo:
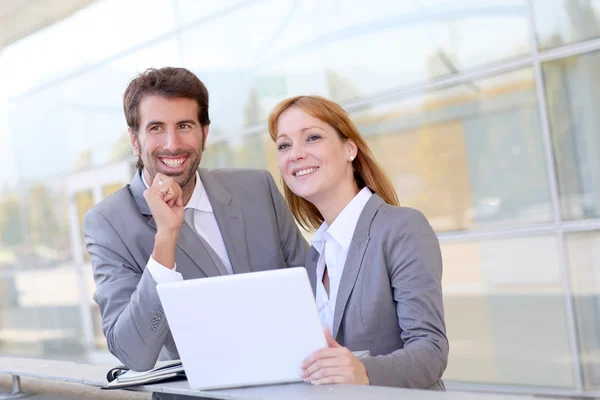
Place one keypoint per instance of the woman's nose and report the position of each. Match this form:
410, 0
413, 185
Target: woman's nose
297, 153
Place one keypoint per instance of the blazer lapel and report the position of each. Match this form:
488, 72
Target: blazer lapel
230, 221
137, 188
312, 258
354, 260
188, 242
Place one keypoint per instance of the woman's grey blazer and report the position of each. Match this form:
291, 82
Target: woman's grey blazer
390, 297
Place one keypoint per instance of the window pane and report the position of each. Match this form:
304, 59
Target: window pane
469, 156
39, 313
39, 290
584, 261
344, 50
110, 188
573, 95
505, 313
90, 36
84, 202
196, 12
240, 152
560, 22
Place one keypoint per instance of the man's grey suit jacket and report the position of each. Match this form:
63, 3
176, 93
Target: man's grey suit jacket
259, 234
390, 297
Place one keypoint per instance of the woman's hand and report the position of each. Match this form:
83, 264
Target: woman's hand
334, 364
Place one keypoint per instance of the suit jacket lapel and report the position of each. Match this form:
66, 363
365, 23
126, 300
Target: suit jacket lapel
188, 242
353, 264
312, 258
136, 188
230, 220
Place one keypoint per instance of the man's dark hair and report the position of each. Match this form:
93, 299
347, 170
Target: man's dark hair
168, 82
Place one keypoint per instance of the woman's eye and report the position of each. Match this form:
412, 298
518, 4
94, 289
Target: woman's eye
283, 146
312, 138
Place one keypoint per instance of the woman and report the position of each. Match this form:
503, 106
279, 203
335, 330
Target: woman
375, 267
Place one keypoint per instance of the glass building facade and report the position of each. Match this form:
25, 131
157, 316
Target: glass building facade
483, 113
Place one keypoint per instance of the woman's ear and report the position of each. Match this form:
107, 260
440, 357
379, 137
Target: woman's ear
352, 149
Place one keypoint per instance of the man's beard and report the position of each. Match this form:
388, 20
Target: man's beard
196, 162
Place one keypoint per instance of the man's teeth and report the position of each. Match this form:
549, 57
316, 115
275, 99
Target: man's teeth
173, 163
305, 171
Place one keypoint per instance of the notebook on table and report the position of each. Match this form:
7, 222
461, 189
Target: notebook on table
121, 377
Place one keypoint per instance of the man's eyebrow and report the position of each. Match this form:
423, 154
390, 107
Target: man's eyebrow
149, 124
187, 121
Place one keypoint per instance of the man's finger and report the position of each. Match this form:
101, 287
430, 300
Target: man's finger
159, 180
169, 197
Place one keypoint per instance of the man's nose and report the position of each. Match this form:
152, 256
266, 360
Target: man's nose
172, 139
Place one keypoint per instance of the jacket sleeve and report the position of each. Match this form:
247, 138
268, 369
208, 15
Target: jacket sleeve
133, 320
414, 263
292, 242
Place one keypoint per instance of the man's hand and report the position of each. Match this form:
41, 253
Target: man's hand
334, 364
165, 200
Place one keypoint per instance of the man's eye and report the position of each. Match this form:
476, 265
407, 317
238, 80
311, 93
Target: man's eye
155, 128
184, 126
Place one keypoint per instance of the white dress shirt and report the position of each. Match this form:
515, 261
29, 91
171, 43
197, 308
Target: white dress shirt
206, 226
332, 243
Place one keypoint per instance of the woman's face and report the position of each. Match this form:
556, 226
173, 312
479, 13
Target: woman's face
314, 159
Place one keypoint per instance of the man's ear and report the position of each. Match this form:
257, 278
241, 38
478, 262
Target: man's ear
134, 142
204, 136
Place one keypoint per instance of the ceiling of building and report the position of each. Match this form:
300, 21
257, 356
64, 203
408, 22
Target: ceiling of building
20, 18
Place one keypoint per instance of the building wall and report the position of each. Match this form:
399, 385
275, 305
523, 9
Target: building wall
482, 113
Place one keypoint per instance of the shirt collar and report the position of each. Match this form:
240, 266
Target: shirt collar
342, 228
199, 200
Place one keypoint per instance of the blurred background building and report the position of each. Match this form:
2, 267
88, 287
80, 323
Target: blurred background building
484, 113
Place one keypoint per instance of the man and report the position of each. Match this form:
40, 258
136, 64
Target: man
235, 220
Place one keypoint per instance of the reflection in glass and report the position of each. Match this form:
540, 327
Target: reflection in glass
88, 37
343, 50
505, 313
561, 22
39, 312
583, 250
194, 11
99, 338
13, 228
469, 156
33, 229
573, 95
240, 152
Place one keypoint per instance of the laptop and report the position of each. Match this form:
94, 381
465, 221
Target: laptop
245, 329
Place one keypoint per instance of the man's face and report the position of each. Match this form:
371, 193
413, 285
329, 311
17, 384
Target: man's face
170, 138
